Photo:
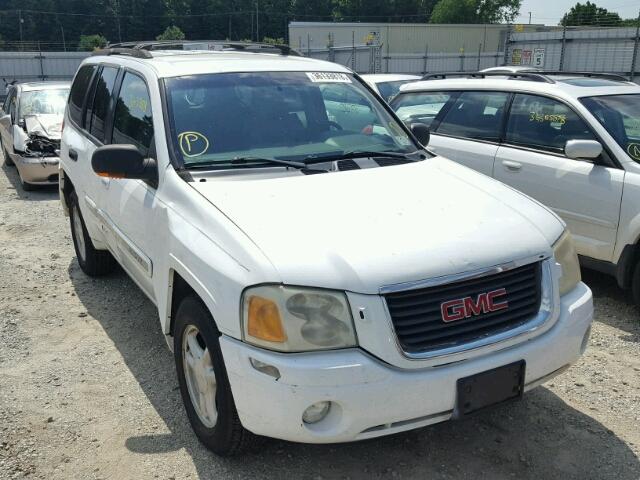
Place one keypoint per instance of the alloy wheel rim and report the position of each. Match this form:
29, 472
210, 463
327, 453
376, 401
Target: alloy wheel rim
200, 376
79, 233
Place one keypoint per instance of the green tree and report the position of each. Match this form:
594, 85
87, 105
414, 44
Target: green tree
475, 11
171, 33
89, 43
590, 14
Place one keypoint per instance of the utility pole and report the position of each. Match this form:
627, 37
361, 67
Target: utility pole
529, 18
118, 20
20, 22
64, 44
257, 23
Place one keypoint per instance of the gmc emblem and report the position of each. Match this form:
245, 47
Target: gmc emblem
460, 308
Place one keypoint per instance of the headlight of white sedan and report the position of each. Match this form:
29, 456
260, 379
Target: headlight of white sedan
296, 319
566, 256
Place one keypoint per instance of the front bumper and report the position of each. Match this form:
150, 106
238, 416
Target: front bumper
37, 170
371, 398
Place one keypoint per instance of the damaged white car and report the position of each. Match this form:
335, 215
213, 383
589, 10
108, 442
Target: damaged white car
31, 126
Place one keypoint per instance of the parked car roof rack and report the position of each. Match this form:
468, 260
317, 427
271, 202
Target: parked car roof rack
533, 76
540, 76
211, 45
603, 75
128, 51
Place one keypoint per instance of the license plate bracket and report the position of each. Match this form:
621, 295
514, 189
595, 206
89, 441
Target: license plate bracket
493, 387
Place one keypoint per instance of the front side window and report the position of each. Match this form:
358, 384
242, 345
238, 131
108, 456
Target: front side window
420, 107
620, 116
132, 121
476, 115
43, 102
216, 118
79, 91
101, 101
544, 124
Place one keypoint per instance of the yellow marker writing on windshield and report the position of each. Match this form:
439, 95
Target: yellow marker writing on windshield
193, 144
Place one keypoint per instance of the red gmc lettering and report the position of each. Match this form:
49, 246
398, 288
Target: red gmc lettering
460, 308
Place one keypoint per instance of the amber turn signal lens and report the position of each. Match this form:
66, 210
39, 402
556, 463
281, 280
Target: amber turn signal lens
264, 320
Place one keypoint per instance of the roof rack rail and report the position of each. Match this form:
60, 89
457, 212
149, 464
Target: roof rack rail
130, 52
603, 75
533, 76
215, 45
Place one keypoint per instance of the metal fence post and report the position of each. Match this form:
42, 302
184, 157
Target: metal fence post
426, 58
479, 52
462, 59
564, 42
353, 50
507, 41
41, 57
632, 72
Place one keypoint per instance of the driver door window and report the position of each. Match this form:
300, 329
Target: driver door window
544, 124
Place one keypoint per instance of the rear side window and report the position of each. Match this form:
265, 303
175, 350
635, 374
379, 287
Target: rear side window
420, 107
132, 122
476, 115
544, 123
101, 100
79, 91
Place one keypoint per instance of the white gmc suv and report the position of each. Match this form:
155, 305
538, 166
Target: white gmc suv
319, 276
569, 140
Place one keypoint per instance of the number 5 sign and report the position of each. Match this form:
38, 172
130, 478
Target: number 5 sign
538, 57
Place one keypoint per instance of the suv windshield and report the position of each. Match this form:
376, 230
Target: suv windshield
620, 116
215, 118
39, 102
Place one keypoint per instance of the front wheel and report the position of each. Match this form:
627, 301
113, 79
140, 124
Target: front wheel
92, 262
204, 385
635, 284
7, 159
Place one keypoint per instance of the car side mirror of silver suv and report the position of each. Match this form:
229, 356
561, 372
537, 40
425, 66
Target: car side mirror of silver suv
583, 149
124, 161
421, 132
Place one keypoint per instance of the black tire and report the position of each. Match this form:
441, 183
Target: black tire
635, 284
7, 159
93, 262
227, 437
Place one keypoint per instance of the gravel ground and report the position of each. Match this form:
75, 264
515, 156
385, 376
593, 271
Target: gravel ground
88, 389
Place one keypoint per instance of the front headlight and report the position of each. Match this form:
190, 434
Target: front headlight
566, 256
294, 319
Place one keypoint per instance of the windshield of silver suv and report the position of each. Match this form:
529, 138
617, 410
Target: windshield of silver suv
620, 116
220, 120
39, 102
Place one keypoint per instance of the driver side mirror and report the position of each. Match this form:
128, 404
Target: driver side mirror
124, 161
583, 149
421, 132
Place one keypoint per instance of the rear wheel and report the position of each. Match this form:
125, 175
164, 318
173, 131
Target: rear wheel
92, 262
204, 385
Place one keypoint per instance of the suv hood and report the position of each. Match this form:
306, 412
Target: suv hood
363, 229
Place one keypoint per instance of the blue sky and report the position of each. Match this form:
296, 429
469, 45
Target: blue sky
550, 11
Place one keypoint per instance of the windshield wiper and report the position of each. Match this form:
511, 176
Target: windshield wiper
359, 154
257, 161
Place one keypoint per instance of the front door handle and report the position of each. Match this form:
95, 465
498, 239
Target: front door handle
511, 165
73, 155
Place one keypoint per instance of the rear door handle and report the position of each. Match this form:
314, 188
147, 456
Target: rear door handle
512, 165
73, 155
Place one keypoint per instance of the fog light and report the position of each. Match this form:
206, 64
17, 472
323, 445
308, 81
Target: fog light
316, 412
